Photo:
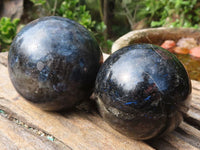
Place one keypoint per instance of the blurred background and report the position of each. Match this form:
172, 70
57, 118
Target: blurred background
106, 19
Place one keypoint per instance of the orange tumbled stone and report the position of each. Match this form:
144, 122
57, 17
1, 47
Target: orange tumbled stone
168, 44
195, 51
181, 50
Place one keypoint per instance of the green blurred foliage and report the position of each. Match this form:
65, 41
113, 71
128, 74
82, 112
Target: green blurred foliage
8, 30
135, 14
46, 7
73, 10
38, 2
173, 13
77, 11
169, 13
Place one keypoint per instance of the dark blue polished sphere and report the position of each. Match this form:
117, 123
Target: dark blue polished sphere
142, 91
53, 62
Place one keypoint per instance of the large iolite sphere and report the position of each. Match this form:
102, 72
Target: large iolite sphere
142, 91
53, 62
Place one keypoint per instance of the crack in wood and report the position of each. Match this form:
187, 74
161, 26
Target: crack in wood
33, 130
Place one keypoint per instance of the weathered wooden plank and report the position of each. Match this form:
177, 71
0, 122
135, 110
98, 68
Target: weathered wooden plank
177, 142
13, 137
195, 94
3, 58
77, 129
161, 144
186, 135
86, 130
190, 139
105, 56
193, 115
190, 130
196, 85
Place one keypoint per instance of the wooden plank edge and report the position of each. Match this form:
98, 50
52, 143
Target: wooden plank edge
178, 143
14, 136
71, 121
190, 130
195, 87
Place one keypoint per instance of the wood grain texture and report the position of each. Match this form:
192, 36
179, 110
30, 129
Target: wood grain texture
13, 137
84, 129
179, 143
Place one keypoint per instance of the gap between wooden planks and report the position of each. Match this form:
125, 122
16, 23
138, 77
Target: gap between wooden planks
86, 130
13, 137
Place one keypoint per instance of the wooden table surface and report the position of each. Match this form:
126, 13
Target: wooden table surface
26, 127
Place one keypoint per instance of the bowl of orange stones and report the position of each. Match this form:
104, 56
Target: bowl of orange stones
185, 45
183, 42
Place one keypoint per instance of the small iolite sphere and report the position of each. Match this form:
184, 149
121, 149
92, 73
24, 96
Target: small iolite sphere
53, 63
142, 91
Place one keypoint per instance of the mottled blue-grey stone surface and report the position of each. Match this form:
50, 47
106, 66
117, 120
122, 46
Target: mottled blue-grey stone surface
142, 91
53, 62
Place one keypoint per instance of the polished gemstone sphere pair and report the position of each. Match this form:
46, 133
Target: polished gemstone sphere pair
141, 90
